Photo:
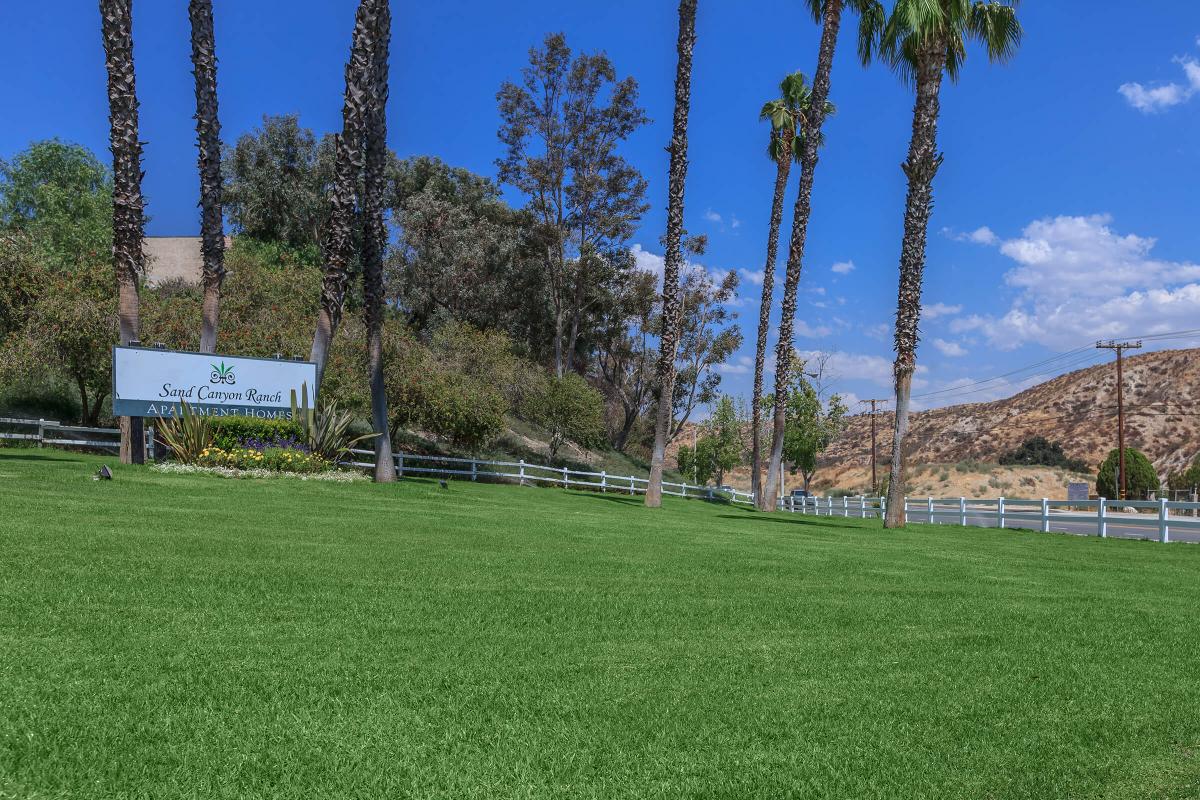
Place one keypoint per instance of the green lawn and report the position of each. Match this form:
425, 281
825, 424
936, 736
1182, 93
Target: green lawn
171, 636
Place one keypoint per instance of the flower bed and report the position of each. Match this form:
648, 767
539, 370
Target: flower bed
335, 475
271, 459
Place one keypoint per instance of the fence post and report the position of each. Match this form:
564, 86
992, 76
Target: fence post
845, 506
1164, 532
631, 484
1045, 515
603, 481
521, 473
999, 512
962, 511
882, 506
828, 506
929, 509
683, 489
862, 507
400, 464
1101, 522
41, 431
474, 469
564, 477
906, 508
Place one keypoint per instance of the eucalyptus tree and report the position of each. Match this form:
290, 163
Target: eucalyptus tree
128, 220
829, 14
783, 148
924, 41
561, 126
375, 238
672, 291
208, 141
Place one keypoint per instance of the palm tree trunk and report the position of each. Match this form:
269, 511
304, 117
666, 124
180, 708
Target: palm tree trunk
116, 18
375, 241
920, 168
674, 256
782, 171
208, 137
348, 167
803, 210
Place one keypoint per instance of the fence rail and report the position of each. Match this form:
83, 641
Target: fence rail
1162, 519
51, 433
529, 473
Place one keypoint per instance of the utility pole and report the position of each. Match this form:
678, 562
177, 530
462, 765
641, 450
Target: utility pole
874, 482
1120, 347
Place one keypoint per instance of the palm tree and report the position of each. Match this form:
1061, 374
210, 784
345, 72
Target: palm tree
208, 140
375, 239
784, 146
829, 13
672, 301
116, 22
921, 41
348, 169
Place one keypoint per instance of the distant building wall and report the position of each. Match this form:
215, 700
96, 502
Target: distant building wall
173, 258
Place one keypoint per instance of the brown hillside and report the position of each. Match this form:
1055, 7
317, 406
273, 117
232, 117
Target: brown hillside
1077, 409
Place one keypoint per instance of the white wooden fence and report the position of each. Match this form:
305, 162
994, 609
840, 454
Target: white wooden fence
528, 473
1154, 519
50, 433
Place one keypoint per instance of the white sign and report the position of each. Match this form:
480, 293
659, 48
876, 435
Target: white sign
155, 383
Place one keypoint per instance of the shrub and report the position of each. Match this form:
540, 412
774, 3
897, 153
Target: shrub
1140, 476
1040, 451
235, 431
570, 410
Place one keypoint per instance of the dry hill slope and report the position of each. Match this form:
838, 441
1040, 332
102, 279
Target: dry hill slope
1077, 409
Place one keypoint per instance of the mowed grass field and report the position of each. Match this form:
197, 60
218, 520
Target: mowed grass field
171, 636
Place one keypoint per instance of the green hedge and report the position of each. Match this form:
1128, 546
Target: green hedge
230, 432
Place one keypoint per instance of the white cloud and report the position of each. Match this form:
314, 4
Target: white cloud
861, 366
734, 222
648, 262
712, 216
656, 265
939, 310
843, 267
809, 332
754, 276
742, 365
1078, 279
881, 331
951, 349
1150, 100
981, 235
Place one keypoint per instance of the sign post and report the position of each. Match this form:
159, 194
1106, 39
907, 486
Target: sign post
156, 383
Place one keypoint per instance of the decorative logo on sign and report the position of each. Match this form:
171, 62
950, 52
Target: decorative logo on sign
222, 374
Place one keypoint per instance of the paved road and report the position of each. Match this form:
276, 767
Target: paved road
1078, 524
1081, 526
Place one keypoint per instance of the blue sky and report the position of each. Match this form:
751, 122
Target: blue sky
1065, 207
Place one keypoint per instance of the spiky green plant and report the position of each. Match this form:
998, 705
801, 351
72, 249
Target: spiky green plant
188, 435
325, 432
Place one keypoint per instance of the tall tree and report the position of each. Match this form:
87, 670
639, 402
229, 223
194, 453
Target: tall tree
783, 147
561, 126
278, 179
375, 238
128, 221
208, 140
922, 41
339, 244
674, 257
829, 14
